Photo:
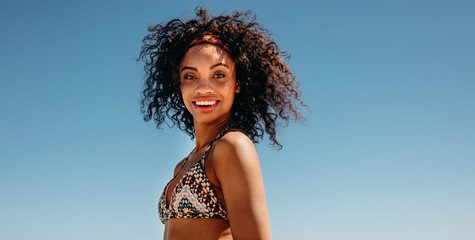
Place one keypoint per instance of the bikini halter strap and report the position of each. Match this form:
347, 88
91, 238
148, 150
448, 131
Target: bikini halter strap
216, 138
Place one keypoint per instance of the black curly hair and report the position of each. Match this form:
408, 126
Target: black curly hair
268, 89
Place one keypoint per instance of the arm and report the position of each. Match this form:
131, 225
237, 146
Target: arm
238, 171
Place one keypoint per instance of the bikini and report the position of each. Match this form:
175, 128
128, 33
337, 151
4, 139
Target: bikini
193, 196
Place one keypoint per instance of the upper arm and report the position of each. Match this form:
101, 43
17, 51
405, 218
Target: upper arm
238, 171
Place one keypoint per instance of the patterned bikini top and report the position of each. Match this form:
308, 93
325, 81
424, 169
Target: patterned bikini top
193, 196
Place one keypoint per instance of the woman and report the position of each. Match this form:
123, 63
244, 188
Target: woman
223, 81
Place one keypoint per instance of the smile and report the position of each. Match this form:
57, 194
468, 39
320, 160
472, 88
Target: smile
205, 106
205, 103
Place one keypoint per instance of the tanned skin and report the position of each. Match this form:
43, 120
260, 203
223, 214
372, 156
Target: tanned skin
232, 166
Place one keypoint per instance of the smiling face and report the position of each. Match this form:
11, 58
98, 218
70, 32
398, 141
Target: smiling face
208, 83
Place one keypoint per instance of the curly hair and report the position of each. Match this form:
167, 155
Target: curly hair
268, 89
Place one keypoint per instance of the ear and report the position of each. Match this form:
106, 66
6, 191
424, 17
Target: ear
238, 88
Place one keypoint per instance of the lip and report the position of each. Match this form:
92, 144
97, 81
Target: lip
207, 108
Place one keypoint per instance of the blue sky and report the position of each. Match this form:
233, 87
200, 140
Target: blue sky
387, 151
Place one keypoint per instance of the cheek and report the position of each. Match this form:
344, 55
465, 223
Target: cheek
184, 95
226, 86
184, 90
231, 94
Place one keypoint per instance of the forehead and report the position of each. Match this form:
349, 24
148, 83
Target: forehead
206, 54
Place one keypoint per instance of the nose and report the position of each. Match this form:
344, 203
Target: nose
204, 86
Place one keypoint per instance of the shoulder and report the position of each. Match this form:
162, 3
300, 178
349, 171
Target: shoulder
234, 153
234, 143
234, 138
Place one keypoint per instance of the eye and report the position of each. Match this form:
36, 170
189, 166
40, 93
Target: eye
219, 75
188, 76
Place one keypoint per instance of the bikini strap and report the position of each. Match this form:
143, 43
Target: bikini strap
182, 165
202, 160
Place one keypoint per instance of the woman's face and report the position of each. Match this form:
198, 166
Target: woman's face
208, 83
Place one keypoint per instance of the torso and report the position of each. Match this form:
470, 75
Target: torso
181, 170
200, 228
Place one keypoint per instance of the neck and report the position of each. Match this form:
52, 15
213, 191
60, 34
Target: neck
205, 133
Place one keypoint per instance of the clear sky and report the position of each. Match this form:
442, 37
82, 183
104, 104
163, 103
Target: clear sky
387, 151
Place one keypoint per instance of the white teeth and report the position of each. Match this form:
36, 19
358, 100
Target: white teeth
205, 103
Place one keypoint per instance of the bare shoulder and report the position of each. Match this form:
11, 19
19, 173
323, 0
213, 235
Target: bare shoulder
234, 143
234, 152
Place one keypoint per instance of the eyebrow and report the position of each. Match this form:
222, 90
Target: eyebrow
186, 67
219, 64
195, 69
